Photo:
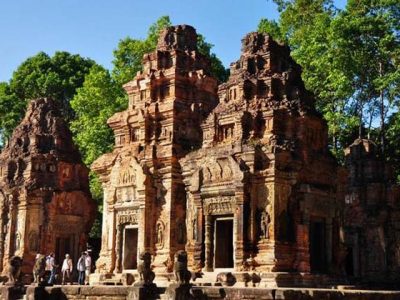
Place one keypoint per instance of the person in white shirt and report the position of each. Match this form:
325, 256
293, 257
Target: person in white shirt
66, 269
88, 267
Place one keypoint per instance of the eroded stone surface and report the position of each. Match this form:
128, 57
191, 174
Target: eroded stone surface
45, 201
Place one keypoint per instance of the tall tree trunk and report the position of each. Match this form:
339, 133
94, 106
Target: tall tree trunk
361, 122
382, 133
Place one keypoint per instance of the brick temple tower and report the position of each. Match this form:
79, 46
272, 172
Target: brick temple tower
261, 191
45, 200
144, 196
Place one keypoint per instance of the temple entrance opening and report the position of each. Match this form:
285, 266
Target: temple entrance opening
223, 253
130, 248
318, 246
349, 262
65, 245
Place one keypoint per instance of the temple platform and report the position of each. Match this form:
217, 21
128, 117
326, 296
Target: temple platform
197, 292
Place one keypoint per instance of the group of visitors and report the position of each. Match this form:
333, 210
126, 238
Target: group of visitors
84, 267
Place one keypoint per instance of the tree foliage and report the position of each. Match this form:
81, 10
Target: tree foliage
350, 60
96, 101
11, 110
56, 77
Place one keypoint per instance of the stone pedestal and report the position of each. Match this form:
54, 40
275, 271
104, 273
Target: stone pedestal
11, 292
266, 257
142, 291
179, 292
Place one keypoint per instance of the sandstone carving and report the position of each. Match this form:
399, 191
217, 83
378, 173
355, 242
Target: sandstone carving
144, 269
181, 272
14, 270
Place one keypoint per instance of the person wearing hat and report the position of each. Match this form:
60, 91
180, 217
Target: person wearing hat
66, 269
88, 267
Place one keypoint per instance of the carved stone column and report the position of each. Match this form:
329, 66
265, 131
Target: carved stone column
303, 244
239, 231
209, 243
118, 249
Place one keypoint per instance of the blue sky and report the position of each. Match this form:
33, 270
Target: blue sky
92, 28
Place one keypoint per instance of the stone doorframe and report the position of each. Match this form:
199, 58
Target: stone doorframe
129, 226
120, 238
210, 242
215, 220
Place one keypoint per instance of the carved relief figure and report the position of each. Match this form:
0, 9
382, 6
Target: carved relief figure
160, 234
265, 223
33, 241
17, 241
181, 232
194, 228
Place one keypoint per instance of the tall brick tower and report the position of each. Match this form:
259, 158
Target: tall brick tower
144, 196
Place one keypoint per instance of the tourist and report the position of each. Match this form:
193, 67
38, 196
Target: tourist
66, 269
81, 267
88, 267
35, 269
51, 265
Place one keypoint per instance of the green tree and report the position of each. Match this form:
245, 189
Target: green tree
272, 28
129, 53
57, 77
348, 59
366, 33
11, 111
96, 101
217, 68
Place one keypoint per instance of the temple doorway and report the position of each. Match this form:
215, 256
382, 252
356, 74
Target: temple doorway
317, 246
223, 251
349, 262
65, 245
129, 253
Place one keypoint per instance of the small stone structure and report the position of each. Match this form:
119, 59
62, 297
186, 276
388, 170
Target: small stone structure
45, 203
371, 215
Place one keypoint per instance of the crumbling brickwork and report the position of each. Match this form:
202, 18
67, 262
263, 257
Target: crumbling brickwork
45, 201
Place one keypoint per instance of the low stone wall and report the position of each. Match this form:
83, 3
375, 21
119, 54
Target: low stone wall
78, 293
292, 294
11, 292
197, 293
